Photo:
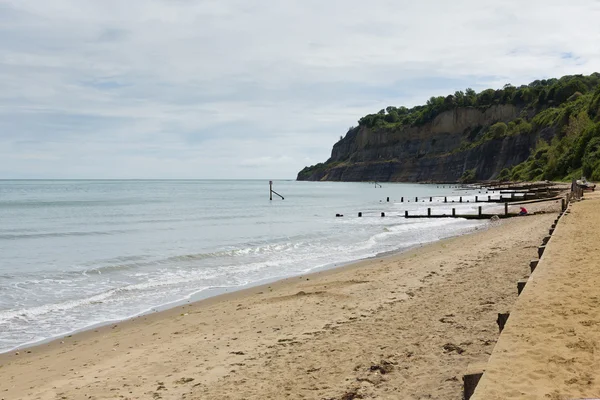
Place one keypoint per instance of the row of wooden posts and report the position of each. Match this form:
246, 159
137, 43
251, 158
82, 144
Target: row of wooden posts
360, 214
460, 199
479, 215
475, 372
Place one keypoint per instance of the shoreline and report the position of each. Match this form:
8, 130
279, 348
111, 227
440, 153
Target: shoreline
403, 323
216, 292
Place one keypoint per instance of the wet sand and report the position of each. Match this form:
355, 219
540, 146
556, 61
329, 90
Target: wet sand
399, 327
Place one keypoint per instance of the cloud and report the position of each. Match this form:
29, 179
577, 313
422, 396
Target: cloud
232, 89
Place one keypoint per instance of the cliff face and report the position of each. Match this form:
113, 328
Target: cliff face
441, 150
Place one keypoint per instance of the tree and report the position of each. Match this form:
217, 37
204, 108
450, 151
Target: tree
470, 97
459, 98
486, 97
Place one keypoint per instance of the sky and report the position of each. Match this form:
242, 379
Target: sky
237, 89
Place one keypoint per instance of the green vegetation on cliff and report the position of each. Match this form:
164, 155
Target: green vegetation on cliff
538, 95
575, 148
565, 112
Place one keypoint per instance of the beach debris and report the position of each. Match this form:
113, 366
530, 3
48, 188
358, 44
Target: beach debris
183, 381
383, 367
450, 347
351, 395
237, 353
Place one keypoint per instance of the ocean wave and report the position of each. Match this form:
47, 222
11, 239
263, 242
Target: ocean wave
41, 235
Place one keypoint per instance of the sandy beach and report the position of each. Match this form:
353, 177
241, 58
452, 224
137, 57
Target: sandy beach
404, 326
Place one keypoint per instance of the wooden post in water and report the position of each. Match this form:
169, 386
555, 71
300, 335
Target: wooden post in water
454, 212
416, 199
405, 214
382, 214
445, 199
489, 198
480, 211
388, 199
271, 191
430, 199
505, 208
460, 200
429, 212
476, 199
359, 214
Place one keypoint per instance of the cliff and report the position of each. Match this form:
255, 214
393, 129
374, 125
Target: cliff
549, 129
436, 151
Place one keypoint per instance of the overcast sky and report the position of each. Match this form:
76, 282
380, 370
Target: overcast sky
251, 89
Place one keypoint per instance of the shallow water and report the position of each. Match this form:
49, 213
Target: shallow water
79, 253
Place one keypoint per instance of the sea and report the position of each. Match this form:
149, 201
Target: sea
75, 254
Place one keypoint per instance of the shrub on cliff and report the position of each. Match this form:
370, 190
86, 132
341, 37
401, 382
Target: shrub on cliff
504, 175
469, 176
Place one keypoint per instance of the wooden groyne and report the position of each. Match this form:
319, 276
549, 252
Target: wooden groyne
515, 198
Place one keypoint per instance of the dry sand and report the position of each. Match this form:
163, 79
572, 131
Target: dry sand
400, 327
549, 348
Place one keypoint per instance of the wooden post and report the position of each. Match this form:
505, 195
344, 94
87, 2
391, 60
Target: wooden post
533, 264
416, 199
445, 199
505, 208
541, 250
521, 285
401, 199
471, 378
382, 214
430, 199
489, 198
502, 318
562, 201
359, 214
454, 212
429, 212
405, 214
271, 190
476, 199
388, 199
480, 211
460, 200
